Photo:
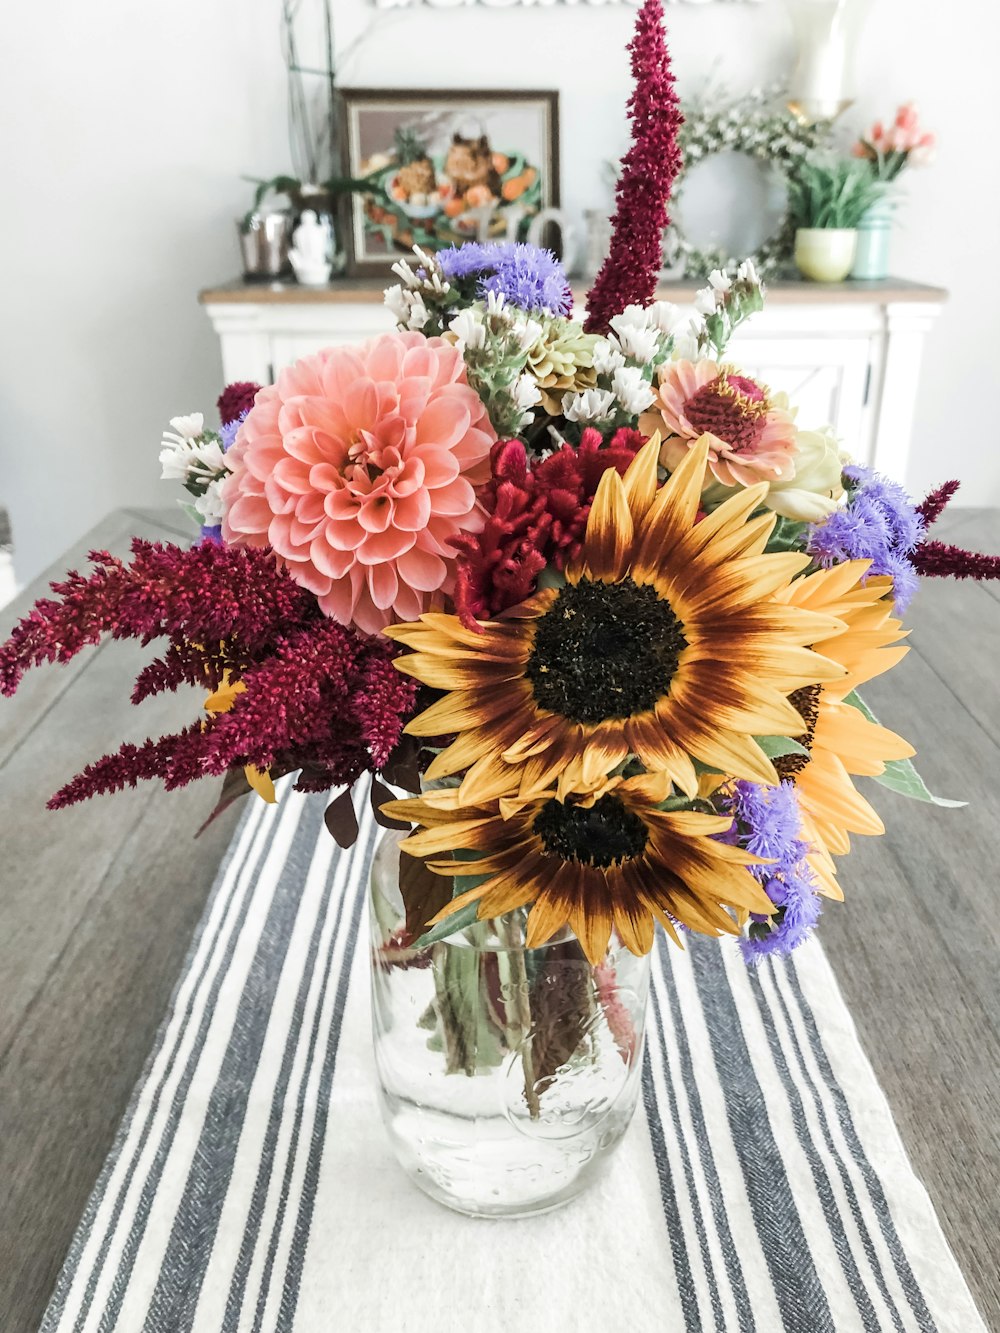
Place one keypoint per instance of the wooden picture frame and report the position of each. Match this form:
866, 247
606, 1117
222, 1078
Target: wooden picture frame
452, 163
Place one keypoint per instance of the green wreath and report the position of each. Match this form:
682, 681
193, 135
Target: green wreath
762, 128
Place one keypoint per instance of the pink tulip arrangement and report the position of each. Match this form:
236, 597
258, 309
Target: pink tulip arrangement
905, 143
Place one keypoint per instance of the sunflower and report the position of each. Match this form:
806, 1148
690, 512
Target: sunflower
841, 741
664, 642
612, 860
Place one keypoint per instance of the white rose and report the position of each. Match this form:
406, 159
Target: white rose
814, 490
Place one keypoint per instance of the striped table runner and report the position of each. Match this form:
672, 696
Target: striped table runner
762, 1185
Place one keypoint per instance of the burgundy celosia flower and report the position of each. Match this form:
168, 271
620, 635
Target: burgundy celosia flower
631, 271
536, 516
316, 697
931, 508
235, 399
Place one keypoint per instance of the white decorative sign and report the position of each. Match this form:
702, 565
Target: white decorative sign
530, 4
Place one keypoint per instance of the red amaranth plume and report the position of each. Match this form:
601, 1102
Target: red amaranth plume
316, 697
649, 169
931, 508
322, 702
938, 560
207, 593
535, 516
235, 399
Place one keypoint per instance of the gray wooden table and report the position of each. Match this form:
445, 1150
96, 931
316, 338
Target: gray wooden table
98, 904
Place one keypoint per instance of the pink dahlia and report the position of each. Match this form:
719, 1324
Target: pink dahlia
754, 436
358, 467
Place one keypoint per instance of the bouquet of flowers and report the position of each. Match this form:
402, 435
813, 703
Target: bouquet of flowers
904, 143
587, 591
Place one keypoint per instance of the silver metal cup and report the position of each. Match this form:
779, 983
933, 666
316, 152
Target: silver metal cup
265, 239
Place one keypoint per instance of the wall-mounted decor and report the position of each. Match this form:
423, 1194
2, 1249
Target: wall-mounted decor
451, 167
533, 4
762, 128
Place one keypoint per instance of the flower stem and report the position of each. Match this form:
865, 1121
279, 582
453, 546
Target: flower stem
518, 1007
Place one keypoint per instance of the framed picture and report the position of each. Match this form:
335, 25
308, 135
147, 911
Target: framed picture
452, 166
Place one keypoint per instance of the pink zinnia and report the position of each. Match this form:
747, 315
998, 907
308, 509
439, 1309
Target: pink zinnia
753, 437
358, 467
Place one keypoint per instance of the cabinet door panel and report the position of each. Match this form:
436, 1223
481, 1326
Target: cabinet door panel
825, 378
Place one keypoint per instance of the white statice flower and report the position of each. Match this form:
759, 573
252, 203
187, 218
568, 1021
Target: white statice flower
209, 505
687, 339
632, 390
496, 303
173, 461
590, 405
419, 314
187, 428
704, 301
719, 282
747, 273
527, 332
665, 316
396, 303
632, 317
407, 307
526, 395
191, 458
608, 357
469, 331
641, 344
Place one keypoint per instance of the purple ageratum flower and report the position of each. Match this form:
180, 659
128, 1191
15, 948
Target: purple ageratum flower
227, 432
211, 532
531, 279
465, 261
880, 523
767, 823
526, 276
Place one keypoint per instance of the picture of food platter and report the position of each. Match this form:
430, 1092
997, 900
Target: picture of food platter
448, 167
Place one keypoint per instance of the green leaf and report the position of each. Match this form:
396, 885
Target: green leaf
777, 746
900, 775
788, 535
461, 920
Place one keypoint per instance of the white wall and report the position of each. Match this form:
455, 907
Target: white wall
126, 127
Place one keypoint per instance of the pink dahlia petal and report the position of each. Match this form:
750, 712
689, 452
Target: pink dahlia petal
359, 467
422, 570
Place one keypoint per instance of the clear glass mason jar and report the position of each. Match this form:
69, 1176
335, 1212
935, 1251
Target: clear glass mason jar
507, 1075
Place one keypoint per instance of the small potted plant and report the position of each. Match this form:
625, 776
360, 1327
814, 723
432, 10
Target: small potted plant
827, 198
887, 152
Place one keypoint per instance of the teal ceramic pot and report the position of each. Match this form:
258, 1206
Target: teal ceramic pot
871, 261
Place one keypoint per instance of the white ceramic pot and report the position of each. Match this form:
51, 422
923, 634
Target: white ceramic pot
825, 254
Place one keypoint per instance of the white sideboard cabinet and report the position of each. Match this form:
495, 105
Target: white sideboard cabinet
848, 355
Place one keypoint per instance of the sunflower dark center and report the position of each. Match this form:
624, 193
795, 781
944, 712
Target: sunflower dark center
731, 407
805, 702
603, 834
605, 650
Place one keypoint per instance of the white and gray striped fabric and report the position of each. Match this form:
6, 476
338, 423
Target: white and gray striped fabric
762, 1185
